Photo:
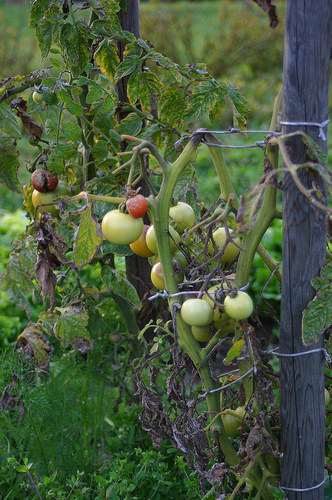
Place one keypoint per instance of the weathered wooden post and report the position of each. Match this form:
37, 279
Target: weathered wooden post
305, 99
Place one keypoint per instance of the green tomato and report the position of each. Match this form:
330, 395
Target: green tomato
238, 307
38, 97
120, 228
151, 239
327, 398
61, 191
196, 312
230, 252
233, 421
180, 258
183, 215
202, 333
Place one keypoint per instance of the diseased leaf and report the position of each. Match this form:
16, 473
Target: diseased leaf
33, 345
44, 33
71, 327
318, 316
201, 101
9, 123
118, 283
87, 239
127, 66
95, 93
133, 86
130, 125
107, 58
239, 101
219, 104
38, 10
73, 107
234, 352
74, 41
163, 61
172, 105
9, 164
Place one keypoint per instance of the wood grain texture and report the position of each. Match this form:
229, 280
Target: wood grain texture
305, 98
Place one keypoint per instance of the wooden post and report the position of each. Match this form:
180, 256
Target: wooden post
305, 99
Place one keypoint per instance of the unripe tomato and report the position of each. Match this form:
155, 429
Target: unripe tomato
120, 228
218, 312
230, 252
137, 206
139, 247
151, 240
327, 398
158, 277
37, 97
61, 191
44, 181
233, 421
202, 333
184, 216
196, 312
238, 307
180, 258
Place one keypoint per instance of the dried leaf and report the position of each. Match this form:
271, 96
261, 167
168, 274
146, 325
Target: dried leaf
33, 344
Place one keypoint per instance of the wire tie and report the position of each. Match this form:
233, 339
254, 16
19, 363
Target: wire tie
285, 488
165, 294
310, 124
303, 353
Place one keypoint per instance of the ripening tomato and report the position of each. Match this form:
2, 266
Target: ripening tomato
184, 216
61, 191
196, 312
120, 228
151, 240
239, 306
231, 250
137, 206
233, 421
139, 247
158, 277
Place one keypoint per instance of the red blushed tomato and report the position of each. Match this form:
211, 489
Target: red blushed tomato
183, 215
151, 240
44, 181
158, 277
139, 247
137, 206
61, 191
196, 312
120, 228
202, 333
233, 421
231, 250
239, 306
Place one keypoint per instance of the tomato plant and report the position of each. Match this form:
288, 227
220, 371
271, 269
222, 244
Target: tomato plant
137, 206
120, 228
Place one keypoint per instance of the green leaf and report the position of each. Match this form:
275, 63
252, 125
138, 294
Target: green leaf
107, 58
73, 107
117, 282
44, 33
72, 131
172, 105
38, 10
202, 99
133, 86
163, 61
9, 164
219, 104
100, 150
128, 66
130, 125
239, 101
234, 352
87, 239
318, 316
9, 123
95, 93
71, 327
